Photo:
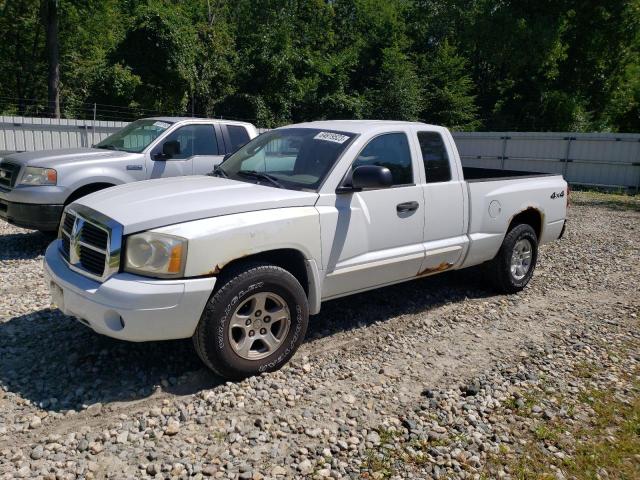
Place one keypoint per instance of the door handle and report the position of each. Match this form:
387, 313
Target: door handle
407, 207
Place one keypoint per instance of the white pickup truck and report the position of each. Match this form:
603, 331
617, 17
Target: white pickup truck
301, 214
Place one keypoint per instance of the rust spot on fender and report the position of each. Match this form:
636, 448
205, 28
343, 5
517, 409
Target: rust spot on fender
216, 270
440, 268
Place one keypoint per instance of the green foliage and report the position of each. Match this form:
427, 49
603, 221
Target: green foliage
397, 92
448, 93
467, 64
160, 48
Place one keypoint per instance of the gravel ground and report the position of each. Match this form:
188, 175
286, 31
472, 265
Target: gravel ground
437, 378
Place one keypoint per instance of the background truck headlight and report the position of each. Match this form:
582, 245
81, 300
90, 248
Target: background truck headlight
39, 176
156, 255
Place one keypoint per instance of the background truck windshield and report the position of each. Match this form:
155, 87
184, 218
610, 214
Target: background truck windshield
295, 157
136, 136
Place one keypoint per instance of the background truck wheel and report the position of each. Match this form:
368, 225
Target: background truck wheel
253, 323
513, 266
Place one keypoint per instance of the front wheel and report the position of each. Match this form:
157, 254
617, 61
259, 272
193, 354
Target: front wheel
513, 266
253, 323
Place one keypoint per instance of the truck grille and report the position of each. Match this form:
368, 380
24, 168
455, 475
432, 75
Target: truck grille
8, 174
90, 246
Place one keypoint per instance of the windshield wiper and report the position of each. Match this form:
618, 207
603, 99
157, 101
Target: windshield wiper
261, 176
218, 172
108, 147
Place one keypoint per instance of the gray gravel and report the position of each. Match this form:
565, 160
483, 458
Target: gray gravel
422, 380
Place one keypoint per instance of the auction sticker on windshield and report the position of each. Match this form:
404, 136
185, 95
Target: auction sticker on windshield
161, 124
331, 137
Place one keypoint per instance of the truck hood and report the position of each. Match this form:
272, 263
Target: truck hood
157, 203
64, 156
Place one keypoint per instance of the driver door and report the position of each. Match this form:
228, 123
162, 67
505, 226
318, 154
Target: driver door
198, 152
378, 232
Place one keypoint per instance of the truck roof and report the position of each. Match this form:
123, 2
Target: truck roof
184, 119
358, 126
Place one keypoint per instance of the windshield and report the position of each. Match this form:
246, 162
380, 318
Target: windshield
136, 136
297, 158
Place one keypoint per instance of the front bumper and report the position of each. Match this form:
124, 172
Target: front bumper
128, 307
30, 215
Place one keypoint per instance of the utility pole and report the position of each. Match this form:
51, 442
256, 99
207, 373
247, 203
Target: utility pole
53, 82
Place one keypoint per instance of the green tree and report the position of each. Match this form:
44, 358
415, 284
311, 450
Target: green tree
448, 90
160, 49
23, 68
397, 93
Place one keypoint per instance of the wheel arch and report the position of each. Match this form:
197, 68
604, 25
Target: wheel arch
530, 216
289, 259
86, 190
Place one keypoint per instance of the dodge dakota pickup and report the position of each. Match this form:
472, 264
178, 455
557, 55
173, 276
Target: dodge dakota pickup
238, 260
36, 186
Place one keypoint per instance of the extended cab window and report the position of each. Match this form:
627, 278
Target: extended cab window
390, 150
435, 157
193, 140
238, 136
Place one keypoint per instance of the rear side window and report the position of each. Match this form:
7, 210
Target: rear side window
238, 136
434, 156
194, 140
390, 150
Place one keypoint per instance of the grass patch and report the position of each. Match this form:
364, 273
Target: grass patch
383, 462
609, 442
585, 370
615, 201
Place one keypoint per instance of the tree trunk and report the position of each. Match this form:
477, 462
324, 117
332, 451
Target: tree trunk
53, 58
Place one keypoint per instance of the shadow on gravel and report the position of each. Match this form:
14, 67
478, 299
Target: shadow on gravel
59, 364
402, 299
24, 246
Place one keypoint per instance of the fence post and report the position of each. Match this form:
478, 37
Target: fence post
637, 164
504, 150
93, 130
566, 156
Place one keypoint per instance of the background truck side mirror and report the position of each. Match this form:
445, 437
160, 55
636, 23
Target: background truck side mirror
170, 149
371, 176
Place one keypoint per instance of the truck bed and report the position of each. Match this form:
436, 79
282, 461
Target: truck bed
477, 174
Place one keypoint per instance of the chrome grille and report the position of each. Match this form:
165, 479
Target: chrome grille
8, 174
92, 260
90, 242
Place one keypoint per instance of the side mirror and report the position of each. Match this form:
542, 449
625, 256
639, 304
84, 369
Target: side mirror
170, 149
371, 176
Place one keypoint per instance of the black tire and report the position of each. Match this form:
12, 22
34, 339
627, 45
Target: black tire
499, 269
237, 286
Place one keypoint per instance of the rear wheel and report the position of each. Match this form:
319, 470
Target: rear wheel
513, 266
253, 323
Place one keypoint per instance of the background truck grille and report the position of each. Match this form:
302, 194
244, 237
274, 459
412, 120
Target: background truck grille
8, 174
85, 245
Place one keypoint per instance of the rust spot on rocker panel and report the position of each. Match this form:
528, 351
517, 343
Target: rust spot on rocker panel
440, 268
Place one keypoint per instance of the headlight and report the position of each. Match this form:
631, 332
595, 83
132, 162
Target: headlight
156, 255
39, 176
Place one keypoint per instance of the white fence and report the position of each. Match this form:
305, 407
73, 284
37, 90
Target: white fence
25, 133
598, 159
